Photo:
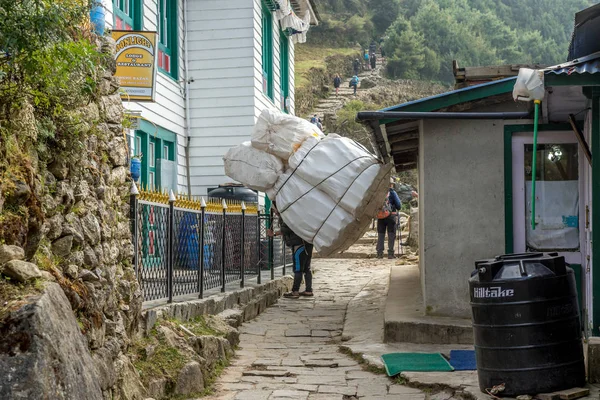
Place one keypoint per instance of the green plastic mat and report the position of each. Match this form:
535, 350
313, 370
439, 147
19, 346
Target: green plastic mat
425, 362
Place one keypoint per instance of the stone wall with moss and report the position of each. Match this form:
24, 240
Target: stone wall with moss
64, 219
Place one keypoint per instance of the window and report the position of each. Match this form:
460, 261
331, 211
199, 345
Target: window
127, 14
557, 197
167, 37
284, 69
267, 51
157, 146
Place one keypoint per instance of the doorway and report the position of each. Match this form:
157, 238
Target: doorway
559, 203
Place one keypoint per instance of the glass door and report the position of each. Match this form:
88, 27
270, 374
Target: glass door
559, 201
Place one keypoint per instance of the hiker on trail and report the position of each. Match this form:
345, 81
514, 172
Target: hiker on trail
337, 81
386, 220
373, 47
320, 124
302, 256
314, 119
373, 61
354, 83
356, 66
367, 65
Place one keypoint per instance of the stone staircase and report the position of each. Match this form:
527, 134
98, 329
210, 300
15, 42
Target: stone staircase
328, 107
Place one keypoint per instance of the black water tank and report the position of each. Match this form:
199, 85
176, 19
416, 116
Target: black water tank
526, 324
234, 192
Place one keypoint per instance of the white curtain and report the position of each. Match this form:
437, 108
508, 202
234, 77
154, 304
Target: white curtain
289, 20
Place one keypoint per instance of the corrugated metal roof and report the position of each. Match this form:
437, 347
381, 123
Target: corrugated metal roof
584, 65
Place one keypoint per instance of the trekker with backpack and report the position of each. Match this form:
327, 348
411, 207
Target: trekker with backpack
301, 255
373, 61
356, 66
337, 81
386, 220
367, 64
354, 83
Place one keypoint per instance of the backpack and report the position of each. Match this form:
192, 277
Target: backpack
387, 208
353, 81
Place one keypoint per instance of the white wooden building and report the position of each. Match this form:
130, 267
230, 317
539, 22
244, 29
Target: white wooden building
220, 63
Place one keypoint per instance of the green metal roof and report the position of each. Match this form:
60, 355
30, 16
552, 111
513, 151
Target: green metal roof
453, 97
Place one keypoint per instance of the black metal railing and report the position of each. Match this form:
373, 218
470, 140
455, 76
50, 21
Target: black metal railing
184, 247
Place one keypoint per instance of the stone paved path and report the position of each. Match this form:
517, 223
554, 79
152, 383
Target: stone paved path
291, 350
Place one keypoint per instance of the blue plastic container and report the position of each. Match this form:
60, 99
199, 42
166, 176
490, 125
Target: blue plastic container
97, 16
136, 168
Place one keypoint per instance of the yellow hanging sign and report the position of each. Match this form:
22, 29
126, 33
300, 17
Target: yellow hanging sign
136, 64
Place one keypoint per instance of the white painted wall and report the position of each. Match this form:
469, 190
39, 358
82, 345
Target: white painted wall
225, 96
168, 111
225, 56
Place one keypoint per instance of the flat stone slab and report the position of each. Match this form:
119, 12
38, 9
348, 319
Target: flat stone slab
266, 373
322, 380
266, 362
343, 390
297, 332
289, 394
253, 330
254, 395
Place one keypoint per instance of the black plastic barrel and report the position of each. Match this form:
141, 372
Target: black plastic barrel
526, 324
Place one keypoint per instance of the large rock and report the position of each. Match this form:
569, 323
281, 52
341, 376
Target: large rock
21, 271
91, 228
112, 108
45, 352
62, 247
9, 253
52, 227
72, 226
190, 379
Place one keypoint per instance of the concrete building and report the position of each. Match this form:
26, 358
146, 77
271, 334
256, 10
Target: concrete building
475, 178
220, 63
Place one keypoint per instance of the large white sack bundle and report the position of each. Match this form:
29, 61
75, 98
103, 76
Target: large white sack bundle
340, 167
281, 134
254, 168
331, 192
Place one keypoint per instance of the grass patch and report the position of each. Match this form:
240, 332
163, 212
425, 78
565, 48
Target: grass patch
13, 295
307, 57
201, 327
165, 361
153, 357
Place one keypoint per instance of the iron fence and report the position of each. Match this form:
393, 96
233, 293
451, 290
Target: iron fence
184, 247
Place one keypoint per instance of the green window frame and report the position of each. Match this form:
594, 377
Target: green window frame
154, 143
267, 51
168, 38
128, 15
284, 69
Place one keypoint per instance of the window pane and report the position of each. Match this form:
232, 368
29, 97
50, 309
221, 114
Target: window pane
152, 155
151, 180
166, 152
556, 197
138, 145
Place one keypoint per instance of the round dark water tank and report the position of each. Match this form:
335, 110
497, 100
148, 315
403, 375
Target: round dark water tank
234, 192
526, 324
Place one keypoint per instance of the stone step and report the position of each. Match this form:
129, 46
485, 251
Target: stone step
405, 320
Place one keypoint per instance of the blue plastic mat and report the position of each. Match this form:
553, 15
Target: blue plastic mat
463, 360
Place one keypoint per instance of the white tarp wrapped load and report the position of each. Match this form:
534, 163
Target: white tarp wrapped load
281, 134
252, 167
330, 192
